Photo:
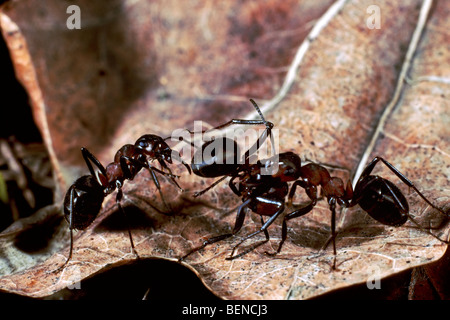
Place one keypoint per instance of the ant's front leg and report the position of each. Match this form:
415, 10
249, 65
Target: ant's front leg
156, 182
176, 156
215, 183
311, 191
129, 175
170, 174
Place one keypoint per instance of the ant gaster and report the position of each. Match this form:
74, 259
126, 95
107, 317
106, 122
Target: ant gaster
84, 198
225, 159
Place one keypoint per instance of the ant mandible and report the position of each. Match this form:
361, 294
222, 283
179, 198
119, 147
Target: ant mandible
377, 196
84, 198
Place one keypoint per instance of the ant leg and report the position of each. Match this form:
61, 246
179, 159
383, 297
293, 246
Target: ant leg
171, 175
138, 164
128, 175
156, 182
167, 174
263, 228
400, 175
199, 193
88, 158
118, 199
297, 213
267, 133
427, 231
405, 211
237, 226
124, 166
258, 143
332, 203
311, 190
72, 191
269, 125
176, 156
232, 186
266, 233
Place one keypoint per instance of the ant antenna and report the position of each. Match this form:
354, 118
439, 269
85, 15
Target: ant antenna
268, 124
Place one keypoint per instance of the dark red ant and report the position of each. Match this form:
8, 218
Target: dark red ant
84, 198
265, 195
379, 197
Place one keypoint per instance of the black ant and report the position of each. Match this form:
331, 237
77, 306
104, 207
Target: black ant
264, 194
84, 198
220, 157
379, 197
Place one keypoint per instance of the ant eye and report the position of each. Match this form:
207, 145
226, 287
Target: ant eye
142, 144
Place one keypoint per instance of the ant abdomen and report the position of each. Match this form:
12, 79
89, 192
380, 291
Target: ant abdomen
218, 157
383, 201
85, 197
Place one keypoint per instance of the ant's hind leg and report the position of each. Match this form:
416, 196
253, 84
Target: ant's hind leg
297, 213
237, 226
89, 158
118, 199
266, 233
264, 227
70, 209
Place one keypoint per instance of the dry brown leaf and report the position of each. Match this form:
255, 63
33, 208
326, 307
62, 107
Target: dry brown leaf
138, 68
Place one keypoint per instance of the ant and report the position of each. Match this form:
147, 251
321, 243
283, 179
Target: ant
377, 196
223, 160
84, 198
262, 193
265, 195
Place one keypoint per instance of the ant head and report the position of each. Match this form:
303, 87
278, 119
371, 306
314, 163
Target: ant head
336, 188
154, 146
289, 165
